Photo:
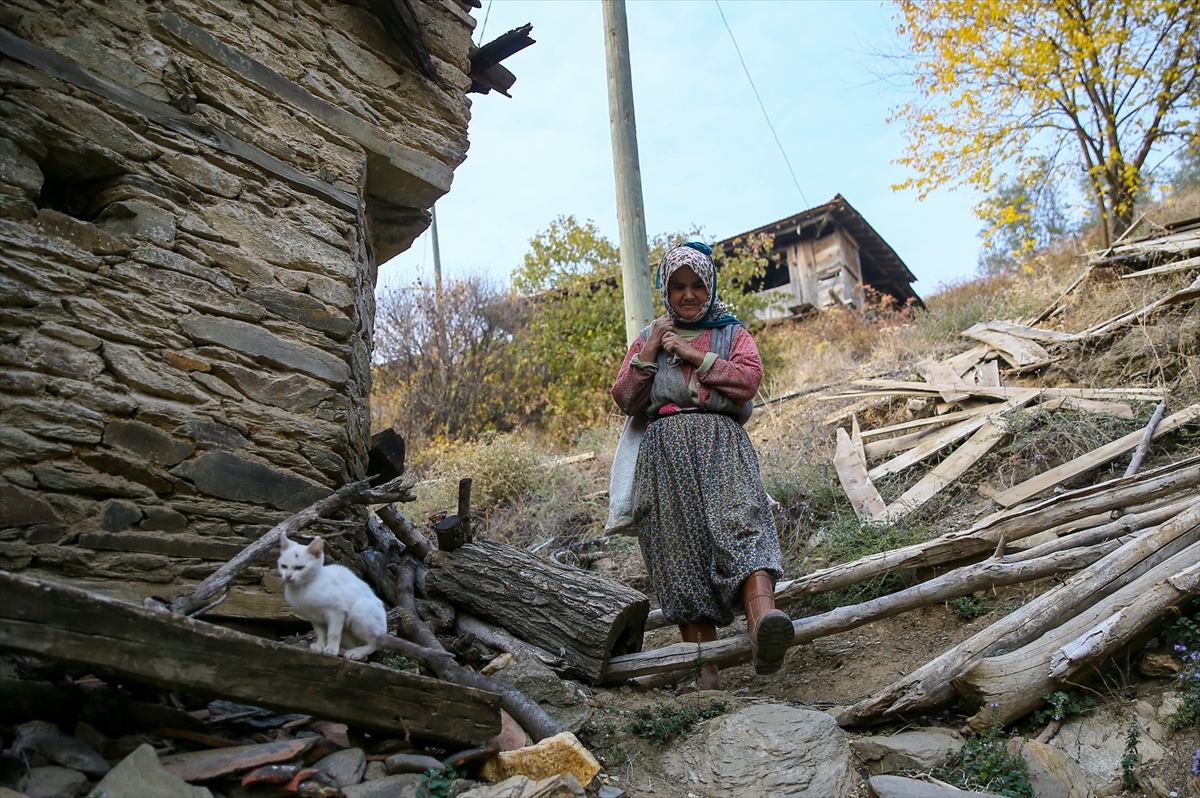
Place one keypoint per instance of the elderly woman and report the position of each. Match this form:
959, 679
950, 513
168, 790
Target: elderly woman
699, 507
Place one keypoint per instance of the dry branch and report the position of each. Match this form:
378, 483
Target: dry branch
1143, 448
930, 684
414, 541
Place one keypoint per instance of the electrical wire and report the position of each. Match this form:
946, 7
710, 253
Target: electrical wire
483, 28
766, 116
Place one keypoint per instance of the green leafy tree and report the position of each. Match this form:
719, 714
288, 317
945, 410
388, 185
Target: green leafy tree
1039, 218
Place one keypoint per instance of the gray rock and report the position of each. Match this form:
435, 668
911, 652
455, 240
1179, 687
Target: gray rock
21, 508
919, 749
292, 392
193, 291
148, 441
331, 292
203, 175
139, 775
134, 369
18, 446
610, 791
135, 469
61, 358
77, 478
131, 219
18, 169
344, 768
405, 785
227, 476
374, 772
1052, 774
75, 754
163, 519
71, 335
257, 342
52, 782
900, 787
766, 751
214, 434
117, 514
561, 700
94, 317
279, 242
302, 309
1096, 741
52, 418
82, 234
412, 763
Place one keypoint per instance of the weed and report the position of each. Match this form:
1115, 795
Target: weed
984, 764
662, 723
1063, 704
390, 659
970, 607
1188, 714
437, 782
1130, 760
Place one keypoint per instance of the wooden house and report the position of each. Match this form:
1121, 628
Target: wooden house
823, 257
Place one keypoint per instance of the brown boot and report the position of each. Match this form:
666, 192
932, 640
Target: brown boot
771, 633
702, 633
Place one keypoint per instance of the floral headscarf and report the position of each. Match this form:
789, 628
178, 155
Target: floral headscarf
698, 257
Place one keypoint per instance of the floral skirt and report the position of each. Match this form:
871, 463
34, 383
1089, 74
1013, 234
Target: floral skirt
702, 515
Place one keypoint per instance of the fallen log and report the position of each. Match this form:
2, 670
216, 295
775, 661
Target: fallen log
1014, 524
583, 616
521, 707
178, 653
213, 589
960, 582
1125, 525
930, 685
1011, 685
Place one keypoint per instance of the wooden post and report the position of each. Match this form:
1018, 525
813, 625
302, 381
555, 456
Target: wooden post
437, 253
635, 259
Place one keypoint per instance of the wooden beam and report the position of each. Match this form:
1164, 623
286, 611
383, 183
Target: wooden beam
1167, 268
173, 652
1091, 460
162, 114
946, 471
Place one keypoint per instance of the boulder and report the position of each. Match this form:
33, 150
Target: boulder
900, 787
766, 750
1159, 665
140, 775
919, 749
411, 763
1096, 741
344, 768
1052, 774
553, 756
562, 701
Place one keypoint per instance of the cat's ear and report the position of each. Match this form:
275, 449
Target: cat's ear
317, 547
284, 543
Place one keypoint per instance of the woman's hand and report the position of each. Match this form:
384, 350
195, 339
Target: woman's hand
658, 328
682, 349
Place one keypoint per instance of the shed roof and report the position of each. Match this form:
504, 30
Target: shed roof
882, 268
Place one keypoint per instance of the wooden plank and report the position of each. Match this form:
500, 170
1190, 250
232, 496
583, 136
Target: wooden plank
946, 471
989, 374
949, 435
917, 423
1018, 330
1091, 460
174, 652
965, 361
1183, 295
906, 387
1167, 268
901, 443
1114, 409
1018, 352
856, 439
942, 374
852, 473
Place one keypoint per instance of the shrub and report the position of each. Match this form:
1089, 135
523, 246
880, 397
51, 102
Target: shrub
661, 724
984, 764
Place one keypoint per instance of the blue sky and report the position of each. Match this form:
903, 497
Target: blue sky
707, 155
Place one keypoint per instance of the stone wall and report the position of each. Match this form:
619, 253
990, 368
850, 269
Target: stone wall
193, 198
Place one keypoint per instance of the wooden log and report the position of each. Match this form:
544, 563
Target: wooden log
1091, 460
499, 638
178, 653
1013, 524
852, 473
212, 589
583, 616
930, 685
1125, 525
414, 542
1016, 681
959, 582
525, 710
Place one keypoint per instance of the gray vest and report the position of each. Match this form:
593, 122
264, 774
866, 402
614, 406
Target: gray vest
670, 387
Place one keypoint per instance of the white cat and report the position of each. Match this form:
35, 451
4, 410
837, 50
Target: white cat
340, 606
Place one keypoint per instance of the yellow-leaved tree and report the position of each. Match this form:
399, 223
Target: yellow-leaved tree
1035, 90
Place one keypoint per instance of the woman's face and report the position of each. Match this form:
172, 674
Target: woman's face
686, 293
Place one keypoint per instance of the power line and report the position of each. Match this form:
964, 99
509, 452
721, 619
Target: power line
483, 28
760, 103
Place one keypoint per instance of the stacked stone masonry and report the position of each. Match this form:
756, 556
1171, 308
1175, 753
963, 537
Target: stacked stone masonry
194, 195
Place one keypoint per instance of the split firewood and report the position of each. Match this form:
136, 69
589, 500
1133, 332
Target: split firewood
930, 685
1011, 685
583, 616
959, 582
524, 710
1016, 524
1093, 459
212, 590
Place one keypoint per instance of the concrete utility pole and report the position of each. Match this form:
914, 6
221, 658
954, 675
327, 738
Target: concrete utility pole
635, 259
437, 255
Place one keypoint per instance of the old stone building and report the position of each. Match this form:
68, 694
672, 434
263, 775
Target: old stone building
194, 195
